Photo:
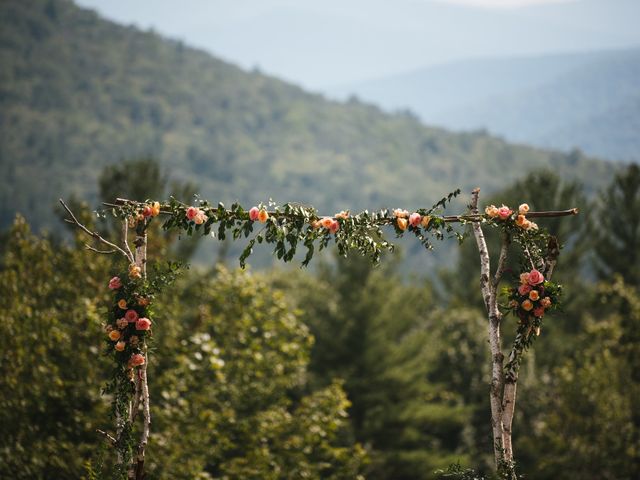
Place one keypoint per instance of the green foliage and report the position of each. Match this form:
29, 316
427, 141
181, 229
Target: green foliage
229, 389
616, 228
411, 370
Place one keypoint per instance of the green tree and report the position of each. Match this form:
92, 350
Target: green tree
616, 228
399, 356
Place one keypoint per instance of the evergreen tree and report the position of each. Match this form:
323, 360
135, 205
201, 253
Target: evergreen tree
616, 228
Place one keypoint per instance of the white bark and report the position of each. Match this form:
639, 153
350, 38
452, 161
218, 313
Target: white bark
488, 288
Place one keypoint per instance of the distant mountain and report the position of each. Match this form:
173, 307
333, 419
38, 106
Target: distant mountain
589, 101
78, 93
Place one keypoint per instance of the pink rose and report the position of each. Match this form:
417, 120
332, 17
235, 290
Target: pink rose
131, 316
192, 212
535, 277
333, 228
136, 360
414, 219
504, 212
539, 312
524, 289
253, 213
143, 324
115, 283
545, 302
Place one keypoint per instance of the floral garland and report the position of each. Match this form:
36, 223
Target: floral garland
292, 225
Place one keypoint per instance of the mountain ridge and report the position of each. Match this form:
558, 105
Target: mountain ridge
79, 93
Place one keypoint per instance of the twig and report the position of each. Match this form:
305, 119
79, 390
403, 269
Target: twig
95, 250
95, 235
107, 436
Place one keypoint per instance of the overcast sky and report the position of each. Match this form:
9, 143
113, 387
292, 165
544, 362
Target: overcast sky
324, 43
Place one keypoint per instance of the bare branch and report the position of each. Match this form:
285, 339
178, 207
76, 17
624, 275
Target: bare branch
502, 260
95, 235
95, 250
107, 436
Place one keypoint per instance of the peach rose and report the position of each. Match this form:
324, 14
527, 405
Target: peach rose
143, 324
114, 335
535, 277
192, 212
402, 223
133, 221
136, 360
326, 222
200, 218
414, 219
253, 213
545, 302
143, 302
135, 271
491, 211
524, 278
425, 221
122, 303
134, 340
400, 213
316, 224
527, 305
533, 295
344, 214
115, 283
155, 209
263, 216
523, 209
539, 312
120, 346
504, 212
524, 289
122, 323
522, 221
131, 316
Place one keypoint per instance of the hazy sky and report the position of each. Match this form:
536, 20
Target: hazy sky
323, 43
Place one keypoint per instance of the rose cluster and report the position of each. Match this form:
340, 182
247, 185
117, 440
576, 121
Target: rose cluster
127, 332
533, 297
405, 220
144, 212
505, 213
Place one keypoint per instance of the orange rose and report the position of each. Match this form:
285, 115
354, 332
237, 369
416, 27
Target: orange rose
534, 295
527, 305
120, 346
425, 221
402, 223
263, 216
122, 303
114, 335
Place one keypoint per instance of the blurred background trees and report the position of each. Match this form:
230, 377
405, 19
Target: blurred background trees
343, 371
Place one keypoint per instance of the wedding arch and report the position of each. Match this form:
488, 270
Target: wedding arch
289, 227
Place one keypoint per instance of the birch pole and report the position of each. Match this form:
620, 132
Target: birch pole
488, 288
136, 469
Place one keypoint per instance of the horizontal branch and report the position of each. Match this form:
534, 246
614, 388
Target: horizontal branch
447, 218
